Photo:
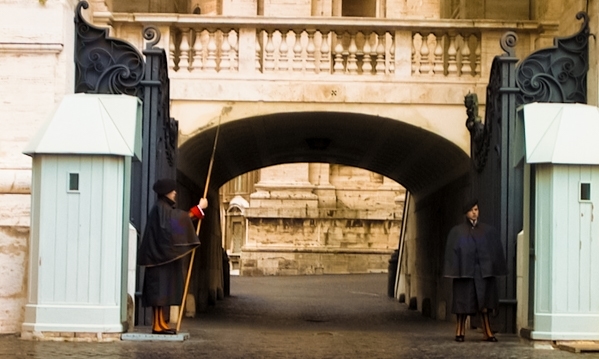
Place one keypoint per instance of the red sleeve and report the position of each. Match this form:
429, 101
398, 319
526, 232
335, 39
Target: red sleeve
197, 212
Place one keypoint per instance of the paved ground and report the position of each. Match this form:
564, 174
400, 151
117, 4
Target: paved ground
302, 317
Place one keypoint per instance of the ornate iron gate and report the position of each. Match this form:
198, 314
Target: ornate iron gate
105, 65
556, 74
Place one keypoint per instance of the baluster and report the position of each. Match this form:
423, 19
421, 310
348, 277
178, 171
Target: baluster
225, 53
416, 54
310, 49
198, 53
438, 68
452, 68
210, 64
338, 67
171, 52
297, 51
391, 55
258, 65
466, 62
379, 66
184, 50
325, 57
476, 56
425, 66
352, 61
284, 52
367, 60
269, 52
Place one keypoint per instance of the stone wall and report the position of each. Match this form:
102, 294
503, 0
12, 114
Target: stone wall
240, 7
36, 70
413, 9
287, 8
421, 282
291, 231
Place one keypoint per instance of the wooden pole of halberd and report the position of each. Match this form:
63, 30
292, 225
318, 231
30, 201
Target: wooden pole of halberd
193, 251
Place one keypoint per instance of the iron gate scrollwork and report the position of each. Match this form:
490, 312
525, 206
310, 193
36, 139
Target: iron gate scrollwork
559, 73
105, 65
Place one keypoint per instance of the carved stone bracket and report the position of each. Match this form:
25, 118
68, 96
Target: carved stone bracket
104, 64
558, 73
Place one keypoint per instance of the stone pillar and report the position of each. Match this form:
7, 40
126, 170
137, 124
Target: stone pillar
239, 7
336, 4
284, 186
285, 8
320, 177
413, 9
322, 7
101, 15
247, 50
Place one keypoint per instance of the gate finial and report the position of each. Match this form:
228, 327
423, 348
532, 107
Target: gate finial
152, 36
508, 43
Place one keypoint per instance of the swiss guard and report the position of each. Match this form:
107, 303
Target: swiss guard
474, 259
168, 237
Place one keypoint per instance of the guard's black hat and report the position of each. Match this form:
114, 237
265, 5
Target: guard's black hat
469, 204
164, 186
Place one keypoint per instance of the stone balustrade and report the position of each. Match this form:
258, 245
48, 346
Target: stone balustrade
333, 48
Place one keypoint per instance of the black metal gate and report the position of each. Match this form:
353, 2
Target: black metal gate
556, 74
105, 65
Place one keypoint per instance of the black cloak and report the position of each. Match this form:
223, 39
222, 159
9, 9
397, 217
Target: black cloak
474, 258
468, 246
169, 235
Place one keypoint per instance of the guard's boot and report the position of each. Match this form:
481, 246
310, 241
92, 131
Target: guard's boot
159, 325
488, 335
162, 322
460, 330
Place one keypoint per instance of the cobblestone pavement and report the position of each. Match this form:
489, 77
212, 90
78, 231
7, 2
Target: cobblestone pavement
344, 316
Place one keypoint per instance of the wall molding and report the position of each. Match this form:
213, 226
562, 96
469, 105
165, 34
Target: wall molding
32, 48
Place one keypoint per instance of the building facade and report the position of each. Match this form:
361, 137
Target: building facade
282, 227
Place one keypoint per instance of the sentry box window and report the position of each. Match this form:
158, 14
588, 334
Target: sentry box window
74, 182
585, 191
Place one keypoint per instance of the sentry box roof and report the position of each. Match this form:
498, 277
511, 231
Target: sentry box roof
561, 133
91, 124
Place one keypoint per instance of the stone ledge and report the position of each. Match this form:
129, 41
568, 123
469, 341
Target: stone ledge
324, 214
15, 181
71, 336
317, 250
145, 337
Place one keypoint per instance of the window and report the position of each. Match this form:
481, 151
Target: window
74, 182
359, 8
585, 191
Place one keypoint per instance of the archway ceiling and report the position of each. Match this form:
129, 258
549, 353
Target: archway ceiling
419, 160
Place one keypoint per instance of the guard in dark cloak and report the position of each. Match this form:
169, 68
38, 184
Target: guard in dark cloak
474, 259
168, 237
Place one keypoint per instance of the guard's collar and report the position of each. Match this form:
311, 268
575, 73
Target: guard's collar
168, 201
